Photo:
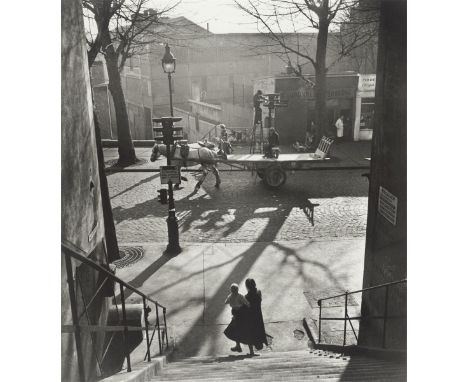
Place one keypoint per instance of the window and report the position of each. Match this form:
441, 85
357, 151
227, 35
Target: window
148, 88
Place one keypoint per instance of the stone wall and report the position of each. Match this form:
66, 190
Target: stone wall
195, 128
82, 219
385, 257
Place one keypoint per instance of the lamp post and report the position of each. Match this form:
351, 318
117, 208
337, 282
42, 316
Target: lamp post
168, 64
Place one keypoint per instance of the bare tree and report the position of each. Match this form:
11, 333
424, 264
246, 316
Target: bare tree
120, 29
323, 19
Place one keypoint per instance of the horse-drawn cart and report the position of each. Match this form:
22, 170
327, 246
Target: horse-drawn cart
273, 171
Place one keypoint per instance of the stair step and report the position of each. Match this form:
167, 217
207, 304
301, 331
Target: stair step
274, 374
301, 365
278, 363
284, 367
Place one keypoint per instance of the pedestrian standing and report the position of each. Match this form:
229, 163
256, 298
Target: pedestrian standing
257, 101
236, 329
273, 141
339, 128
256, 328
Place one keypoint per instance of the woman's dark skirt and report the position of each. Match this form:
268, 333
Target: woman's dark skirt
246, 328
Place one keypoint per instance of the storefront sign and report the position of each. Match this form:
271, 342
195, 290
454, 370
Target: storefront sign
310, 93
169, 173
366, 82
388, 204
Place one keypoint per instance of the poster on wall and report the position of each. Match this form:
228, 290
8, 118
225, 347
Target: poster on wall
388, 205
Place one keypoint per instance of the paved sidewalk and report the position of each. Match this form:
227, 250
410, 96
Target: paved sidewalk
194, 285
342, 154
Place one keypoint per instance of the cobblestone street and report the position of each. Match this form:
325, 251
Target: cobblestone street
243, 209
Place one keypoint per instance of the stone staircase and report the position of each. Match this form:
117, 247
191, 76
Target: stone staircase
301, 365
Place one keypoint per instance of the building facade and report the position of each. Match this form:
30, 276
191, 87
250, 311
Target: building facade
349, 94
214, 69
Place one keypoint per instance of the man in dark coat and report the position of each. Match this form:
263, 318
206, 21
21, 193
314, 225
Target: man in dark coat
257, 101
273, 141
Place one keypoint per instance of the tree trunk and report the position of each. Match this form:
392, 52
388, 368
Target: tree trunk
126, 150
321, 79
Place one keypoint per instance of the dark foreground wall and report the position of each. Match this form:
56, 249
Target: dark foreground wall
82, 220
385, 258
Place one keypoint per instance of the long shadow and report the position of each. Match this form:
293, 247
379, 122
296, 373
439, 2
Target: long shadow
233, 358
215, 305
321, 184
284, 199
141, 182
292, 253
139, 280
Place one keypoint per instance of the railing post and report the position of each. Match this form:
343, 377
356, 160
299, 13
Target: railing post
124, 317
165, 328
320, 320
345, 317
385, 317
145, 313
159, 330
76, 324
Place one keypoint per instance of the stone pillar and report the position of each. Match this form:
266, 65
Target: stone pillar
385, 256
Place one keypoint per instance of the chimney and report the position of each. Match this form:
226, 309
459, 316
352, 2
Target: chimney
207, 27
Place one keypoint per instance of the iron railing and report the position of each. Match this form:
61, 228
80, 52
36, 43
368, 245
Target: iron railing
70, 251
244, 131
385, 317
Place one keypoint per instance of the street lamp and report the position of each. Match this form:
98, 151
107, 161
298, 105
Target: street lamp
173, 248
169, 64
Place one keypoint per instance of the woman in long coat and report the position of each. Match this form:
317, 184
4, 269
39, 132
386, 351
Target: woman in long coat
256, 335
247, 326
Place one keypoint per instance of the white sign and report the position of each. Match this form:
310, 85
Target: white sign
169, 173
366, 82
388, 204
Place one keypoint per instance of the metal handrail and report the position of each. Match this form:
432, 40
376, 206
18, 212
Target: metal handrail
215, 128
346, 317
363, 290
71, 251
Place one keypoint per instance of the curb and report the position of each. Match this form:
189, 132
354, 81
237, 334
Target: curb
136, 143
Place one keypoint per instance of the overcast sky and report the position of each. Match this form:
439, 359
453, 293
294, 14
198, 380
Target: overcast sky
222, 15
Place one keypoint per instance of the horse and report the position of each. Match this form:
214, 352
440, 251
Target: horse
190, 155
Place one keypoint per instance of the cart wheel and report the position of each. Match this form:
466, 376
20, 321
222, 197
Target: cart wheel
275, 177
261, 173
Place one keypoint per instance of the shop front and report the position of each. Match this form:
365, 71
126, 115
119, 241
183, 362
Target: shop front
348, 95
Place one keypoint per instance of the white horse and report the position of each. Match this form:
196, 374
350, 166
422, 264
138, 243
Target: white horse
190, 155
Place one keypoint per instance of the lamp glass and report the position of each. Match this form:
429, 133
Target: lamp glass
168, 66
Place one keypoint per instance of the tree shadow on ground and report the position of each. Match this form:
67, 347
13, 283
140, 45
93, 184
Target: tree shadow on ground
218, 203
141, 182
294, 194
138, 281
